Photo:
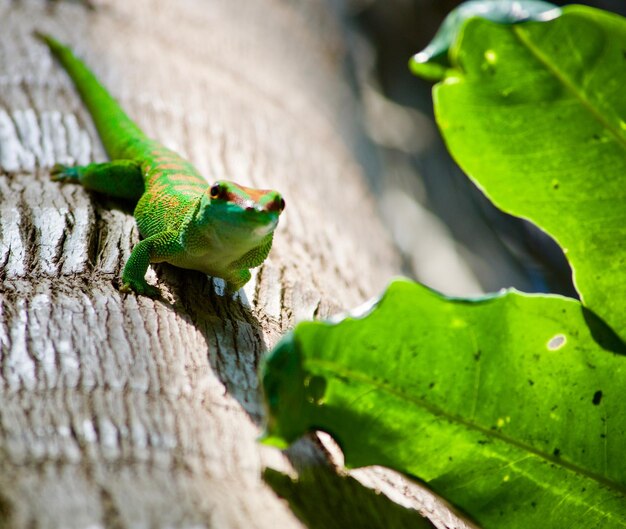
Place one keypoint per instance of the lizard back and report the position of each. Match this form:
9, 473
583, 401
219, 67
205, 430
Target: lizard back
172, 185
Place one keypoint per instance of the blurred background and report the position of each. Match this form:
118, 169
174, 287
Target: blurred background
452, 238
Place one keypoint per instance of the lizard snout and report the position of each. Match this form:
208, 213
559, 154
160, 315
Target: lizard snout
278, 204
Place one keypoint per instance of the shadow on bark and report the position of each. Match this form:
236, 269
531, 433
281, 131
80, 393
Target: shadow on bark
233, 334
308, 498
6, 512
320, 498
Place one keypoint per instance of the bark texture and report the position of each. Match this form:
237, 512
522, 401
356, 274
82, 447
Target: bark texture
125, 412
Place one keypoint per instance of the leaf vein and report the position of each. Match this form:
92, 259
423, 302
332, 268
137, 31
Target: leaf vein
332, 367
562, 78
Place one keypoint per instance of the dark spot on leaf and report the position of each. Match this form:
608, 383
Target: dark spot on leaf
533, 504
597, 397
449, 458
343, 379
554, 407
477, 355
557, 452
590, 366
315, 389
431, 385
531, 382
583, 489
482, 441
603, 435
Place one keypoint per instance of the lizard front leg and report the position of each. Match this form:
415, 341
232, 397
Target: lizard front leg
237, 279
155, 249
119, 178
239, 274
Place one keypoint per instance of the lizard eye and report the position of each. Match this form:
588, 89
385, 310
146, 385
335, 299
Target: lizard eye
282, 204
216, 190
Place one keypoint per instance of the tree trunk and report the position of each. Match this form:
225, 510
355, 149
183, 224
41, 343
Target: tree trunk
120, 411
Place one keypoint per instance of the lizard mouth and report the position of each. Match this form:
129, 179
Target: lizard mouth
265, 229
256, 221
234, 218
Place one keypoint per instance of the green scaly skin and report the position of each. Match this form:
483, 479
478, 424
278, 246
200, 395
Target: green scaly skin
221, 230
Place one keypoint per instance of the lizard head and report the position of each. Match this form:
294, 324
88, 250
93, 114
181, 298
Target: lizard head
237, 207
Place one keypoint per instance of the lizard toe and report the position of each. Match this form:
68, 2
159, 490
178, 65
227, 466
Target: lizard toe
141, 288
63, 173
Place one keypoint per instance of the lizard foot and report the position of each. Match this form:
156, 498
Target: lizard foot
236, 282
139, 287
63, 173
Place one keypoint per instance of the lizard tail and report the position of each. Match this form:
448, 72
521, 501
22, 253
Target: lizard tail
118, 132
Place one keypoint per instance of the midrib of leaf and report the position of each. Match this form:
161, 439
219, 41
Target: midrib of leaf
523, 37
332, 367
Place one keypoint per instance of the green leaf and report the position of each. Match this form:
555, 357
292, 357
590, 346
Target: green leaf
511, 407
535, 114
432, 63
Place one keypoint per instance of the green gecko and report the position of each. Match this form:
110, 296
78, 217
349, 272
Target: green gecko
221, 229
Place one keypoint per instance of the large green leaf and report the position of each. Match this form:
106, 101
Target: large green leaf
511, 407
535, 113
